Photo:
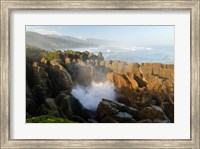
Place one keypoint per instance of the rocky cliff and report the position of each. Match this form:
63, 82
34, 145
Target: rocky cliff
145, 92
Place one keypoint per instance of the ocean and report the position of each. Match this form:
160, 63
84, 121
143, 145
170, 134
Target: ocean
154, 54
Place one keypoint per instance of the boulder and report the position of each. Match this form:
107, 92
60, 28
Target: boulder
70, 106
77, 118
120, 82
60, 79
145, 121
116, 111
123, 117
123, 87
145, 99
108, 119
49, 108
169, 110
30, 102
106, 109
160, 121
92, 121
152, 112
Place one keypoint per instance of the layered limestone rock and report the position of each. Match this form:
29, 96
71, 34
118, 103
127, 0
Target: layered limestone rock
109, 112
146, 90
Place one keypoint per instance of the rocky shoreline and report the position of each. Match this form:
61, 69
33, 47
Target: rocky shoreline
145, 92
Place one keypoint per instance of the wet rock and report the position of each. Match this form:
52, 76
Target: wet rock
30, 102
169, 110
92, 121
77, 118
108, 119
60, 79
49, 108
145, 121
153, 112
117, 111
123, 117
161, 121
106, 109
144, 100
69, 105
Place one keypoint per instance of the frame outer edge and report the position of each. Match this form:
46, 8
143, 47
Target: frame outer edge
195, 76
4, 81
4, 75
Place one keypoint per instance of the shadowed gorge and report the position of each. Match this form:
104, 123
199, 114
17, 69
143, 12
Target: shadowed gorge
83, 87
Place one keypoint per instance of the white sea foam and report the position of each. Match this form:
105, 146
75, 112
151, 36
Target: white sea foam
91, 96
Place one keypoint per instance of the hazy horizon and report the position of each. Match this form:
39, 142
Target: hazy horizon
130, 35
128, 43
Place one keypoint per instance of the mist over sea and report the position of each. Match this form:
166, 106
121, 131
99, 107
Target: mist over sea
159, 54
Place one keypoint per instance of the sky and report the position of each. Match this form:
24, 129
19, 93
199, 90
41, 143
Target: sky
130, 35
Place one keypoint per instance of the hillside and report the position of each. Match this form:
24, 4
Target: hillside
49, 42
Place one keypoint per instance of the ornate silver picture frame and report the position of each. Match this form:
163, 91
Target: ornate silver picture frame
6, 8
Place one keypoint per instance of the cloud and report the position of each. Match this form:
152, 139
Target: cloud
46, 32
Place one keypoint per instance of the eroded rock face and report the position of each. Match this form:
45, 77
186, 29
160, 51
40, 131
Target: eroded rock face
49, 107
144, 85
120, 81
154, 113
60, 79
154, 83
30, 102
72, 108
131, 68
146, 90
109, 111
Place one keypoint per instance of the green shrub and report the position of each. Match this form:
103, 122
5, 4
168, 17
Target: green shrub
50, 55
47, 119
75, 53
